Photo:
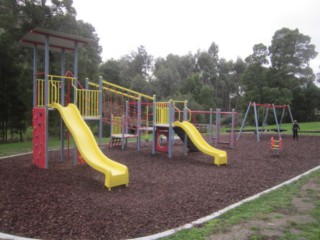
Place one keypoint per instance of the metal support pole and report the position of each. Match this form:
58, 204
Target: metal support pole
290, 114
243, 121
139, 124
217, 127
185, 118
62, 71
265, 117
122, 133
232, 128
256, 121
100, 108
154, 119
75, 74
35, 70
276, 119
46, 96
171, 117
86, 98
126, 115
282, 115
210, 126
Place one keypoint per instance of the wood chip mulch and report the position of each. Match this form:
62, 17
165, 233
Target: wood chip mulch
71, 202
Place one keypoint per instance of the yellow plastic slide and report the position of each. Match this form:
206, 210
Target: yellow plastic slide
220, 157
115, 173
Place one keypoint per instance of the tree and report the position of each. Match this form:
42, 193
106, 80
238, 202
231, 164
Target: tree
110, 71
259, 56
170, 73
290, 54
16, 19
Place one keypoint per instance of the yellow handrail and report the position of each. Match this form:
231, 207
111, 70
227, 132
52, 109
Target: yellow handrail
127, 90
189, 119
178, 110
114, 91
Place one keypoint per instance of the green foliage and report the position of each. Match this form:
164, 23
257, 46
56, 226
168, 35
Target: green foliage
278, 73
16, 19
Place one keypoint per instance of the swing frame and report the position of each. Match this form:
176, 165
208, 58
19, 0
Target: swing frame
266, 106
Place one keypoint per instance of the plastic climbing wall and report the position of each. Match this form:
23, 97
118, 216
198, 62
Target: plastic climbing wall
39, 137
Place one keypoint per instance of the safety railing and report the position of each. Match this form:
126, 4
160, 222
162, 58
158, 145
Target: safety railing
40, 93
163, 112
116, 125
53, 93
88, 102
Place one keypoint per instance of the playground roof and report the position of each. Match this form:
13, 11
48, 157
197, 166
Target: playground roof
58, 41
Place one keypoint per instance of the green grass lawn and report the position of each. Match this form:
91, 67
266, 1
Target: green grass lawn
277, 201
304, 126
22, 147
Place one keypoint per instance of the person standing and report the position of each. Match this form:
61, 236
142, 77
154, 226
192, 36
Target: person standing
295, 128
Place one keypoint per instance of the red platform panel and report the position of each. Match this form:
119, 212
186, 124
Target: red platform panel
160, 133
39, 137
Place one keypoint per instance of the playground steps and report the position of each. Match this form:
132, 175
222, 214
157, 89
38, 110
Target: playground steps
115, 142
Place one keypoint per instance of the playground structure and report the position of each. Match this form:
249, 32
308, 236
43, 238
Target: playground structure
53, 92
260, 129
169, 119
77, 104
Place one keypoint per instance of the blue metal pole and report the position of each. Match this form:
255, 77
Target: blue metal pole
290, 114
276, 119
35, 70
256, 121
185, 118
62, 71
122, 133
46, 95
139, 124
75, 74
232, 128
243, 121
75, 71
154, 119
100, 108
210, 126
217, 127
169, 141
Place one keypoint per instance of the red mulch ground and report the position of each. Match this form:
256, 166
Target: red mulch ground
71, 202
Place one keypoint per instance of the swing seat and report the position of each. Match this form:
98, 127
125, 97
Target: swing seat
280, 130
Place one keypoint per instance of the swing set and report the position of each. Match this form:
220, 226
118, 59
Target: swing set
259, 129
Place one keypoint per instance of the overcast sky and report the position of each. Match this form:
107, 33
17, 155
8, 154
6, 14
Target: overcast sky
183, 26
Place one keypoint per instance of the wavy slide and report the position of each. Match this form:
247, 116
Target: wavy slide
220, 157
115, 173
